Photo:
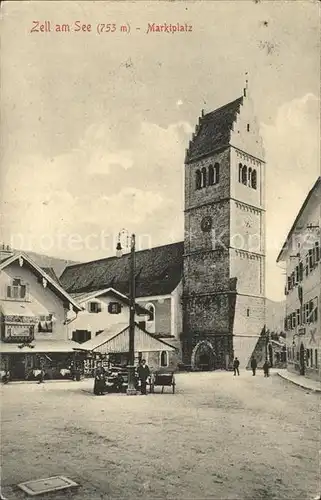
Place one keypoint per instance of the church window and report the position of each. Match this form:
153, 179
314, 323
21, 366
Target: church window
247, 312
203, 177
216, 173
150, 323
210, 175
240, 172
250, 177
197, 179
164, 358
248, 127
254, 179
244, 175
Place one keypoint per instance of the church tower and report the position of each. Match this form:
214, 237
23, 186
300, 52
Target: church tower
224, 244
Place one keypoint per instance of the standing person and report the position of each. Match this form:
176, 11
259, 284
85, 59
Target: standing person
266, 368
253, 365
41, 376
143, 374
236, 365
99, 385
42, 373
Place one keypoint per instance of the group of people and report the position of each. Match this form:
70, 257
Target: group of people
143, 372
266, 367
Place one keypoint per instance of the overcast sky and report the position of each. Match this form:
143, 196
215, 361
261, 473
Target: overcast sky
94, 127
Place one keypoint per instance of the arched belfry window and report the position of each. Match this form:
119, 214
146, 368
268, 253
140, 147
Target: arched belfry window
254, 179
197, 179
240, 172
216, 173
244, 175
210, 175
203, 177
249, 183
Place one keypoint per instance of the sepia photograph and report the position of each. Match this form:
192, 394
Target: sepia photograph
160, 261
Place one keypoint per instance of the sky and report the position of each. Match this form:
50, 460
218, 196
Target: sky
95, 126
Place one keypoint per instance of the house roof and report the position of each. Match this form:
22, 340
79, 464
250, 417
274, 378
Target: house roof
312, 193
115, 339
158, 272
83, 297
214, 130
51, 272
57, 288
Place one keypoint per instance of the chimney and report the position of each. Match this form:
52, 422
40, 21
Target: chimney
5, 251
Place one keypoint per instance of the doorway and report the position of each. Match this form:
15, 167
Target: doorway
17, 367
302, 360
203, 357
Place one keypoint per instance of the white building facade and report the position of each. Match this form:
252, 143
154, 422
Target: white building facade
301, 253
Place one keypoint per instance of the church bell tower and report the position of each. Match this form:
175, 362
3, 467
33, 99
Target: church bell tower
224, 243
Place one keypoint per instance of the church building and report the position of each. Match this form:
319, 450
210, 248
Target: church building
207, 292
224, 246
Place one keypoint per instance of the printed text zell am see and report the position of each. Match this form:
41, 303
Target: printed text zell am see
100, 28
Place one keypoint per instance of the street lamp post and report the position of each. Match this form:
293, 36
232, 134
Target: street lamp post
131, 390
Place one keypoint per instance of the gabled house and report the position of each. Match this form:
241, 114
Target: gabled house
36, 316
101, 309
302, 256
159, 273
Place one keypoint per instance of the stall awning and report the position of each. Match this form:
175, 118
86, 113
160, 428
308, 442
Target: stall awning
116, 340
48, 346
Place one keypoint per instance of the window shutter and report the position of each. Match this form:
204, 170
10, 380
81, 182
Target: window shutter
317, 251
9, 292
289, 283
311, 259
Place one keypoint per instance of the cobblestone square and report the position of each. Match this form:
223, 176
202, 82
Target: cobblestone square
219, 437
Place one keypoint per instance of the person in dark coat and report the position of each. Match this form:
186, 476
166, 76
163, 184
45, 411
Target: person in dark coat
41, 375
266, 368
143, 374
253, 365
99, 385
236, 365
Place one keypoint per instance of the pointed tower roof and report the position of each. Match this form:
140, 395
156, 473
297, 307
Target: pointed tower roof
214, 130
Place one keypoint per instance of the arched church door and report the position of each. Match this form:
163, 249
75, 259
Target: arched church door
203, 357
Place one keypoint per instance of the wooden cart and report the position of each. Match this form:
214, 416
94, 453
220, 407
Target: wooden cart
162, 380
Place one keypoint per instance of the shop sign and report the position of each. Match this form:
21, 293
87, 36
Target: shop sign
18, 330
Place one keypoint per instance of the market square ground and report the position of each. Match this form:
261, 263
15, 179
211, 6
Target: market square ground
219, 437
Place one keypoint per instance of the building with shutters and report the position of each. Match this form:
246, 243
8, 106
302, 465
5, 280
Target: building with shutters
158, 283
301, 255
101, 309
36, 316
